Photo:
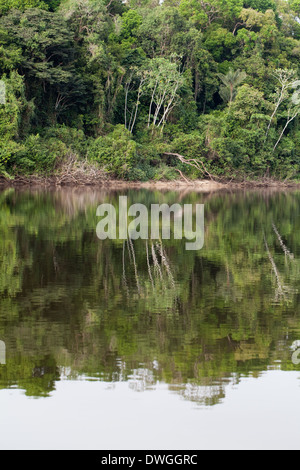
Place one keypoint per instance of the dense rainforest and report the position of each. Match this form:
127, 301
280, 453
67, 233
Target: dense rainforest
150, 90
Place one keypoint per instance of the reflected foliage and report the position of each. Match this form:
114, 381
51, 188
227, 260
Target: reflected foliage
72, 305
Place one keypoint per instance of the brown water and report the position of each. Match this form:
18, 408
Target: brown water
109, 345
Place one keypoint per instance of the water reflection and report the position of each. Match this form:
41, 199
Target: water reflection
147, 312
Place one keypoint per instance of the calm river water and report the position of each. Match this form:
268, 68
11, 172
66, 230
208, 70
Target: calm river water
144, 345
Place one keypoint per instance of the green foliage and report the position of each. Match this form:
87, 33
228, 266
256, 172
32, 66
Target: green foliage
52, 4
174, 75
295, 6
116, 152
45, 42
204, 14
165, 173
73, 138
8, 149
236, 136
260, 5
231, 81
39, 156
221, 43
142, 172
201, 317
6, 5
10, 117
131, 21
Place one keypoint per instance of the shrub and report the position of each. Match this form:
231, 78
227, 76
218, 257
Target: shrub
74, 139
10, 117
137, 174
165, 172
142, 172
115, 151
8, 149
39, 156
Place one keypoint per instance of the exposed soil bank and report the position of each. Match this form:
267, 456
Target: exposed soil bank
198, 185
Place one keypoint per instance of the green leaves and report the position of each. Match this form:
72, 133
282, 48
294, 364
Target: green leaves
260, 5
160, 70
11, 117
231, 81
45, 49
116, 152
42, 37
6, 5
296, 94
131, 21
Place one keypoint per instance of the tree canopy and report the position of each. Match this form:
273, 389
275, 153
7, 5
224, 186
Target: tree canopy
169, 73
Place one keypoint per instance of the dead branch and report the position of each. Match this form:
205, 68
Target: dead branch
192, 162
281, 289
135, 266
182, 176
149, 267
284, 248
164, 261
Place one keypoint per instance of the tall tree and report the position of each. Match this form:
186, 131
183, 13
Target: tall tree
231, 81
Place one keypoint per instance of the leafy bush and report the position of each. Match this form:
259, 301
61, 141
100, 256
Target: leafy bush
74, 139
115, 151
165, 172
8, 149
142, 172
137, 174
39, 156
6, 5
10, 117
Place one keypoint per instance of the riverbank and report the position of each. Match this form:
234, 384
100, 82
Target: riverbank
102, 181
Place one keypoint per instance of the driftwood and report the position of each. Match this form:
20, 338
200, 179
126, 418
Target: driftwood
199, 165
71, 172
79, 172
182, 176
